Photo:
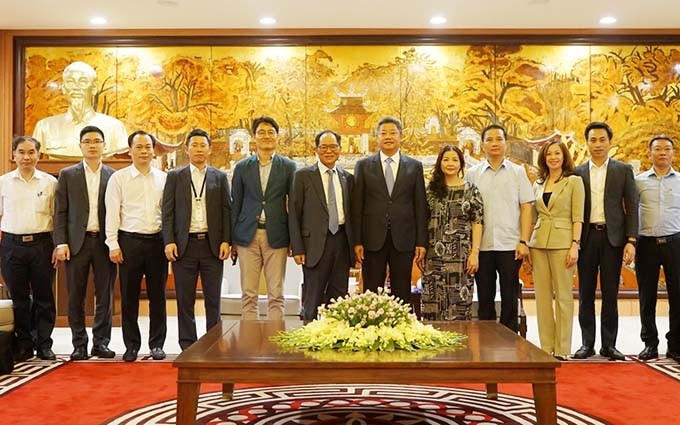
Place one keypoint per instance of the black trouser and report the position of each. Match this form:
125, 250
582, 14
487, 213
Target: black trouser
503, 263
143, 256
27, 269
197, 259
329, 277
598, 255
650, 255
93, 253
374, 269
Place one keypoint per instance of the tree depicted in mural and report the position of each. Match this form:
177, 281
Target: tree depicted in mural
178, 99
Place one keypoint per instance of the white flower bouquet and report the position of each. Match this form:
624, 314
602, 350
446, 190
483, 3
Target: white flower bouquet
367, 322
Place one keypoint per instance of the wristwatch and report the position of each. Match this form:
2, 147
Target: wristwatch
632, 242
523, 242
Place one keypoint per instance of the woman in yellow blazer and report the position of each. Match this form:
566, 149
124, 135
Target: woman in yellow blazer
554, 245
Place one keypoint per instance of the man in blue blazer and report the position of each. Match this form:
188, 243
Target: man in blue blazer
389, 213
261, 185
197, 233
320, 225
610, 229
79, 222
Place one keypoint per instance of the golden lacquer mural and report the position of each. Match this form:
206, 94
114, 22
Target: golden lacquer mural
443, 94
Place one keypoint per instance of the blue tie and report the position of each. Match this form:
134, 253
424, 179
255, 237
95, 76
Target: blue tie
389, 176
333, 222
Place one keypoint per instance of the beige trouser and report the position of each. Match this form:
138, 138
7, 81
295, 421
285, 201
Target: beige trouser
553, 278
251, 258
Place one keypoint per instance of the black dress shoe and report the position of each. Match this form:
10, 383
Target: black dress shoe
130, 355
45, 354
584, 352
79, 353
674, 355
23, 354
103, 352
650, 352
612, 353
157, 353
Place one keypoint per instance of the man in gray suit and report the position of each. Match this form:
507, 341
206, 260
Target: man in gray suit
389, 213
261, 185
610, 229
79, 234
196, 233
320, 225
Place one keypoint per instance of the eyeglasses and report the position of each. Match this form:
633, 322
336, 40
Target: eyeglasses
91, 141
326, 148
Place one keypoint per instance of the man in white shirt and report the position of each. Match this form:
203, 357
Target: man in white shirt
79, 233
197, 234
508, 196
133, 235
27, 251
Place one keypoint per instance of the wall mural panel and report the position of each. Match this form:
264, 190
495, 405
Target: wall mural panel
442, 93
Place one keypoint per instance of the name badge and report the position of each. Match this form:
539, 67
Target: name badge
200, 212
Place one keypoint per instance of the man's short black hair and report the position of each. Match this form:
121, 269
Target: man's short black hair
494, 127
661, 137
199, 132
318, 137
21, 139
599, 125
132, 136
91, 129
265, 120
390, 120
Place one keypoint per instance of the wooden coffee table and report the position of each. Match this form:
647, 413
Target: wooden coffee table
241, 352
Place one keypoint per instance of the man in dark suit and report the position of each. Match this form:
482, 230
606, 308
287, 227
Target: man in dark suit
79, 223
261, 185
320, 225
196, 233
609, 236
389, 213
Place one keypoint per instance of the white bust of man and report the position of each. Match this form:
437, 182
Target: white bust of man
60, 134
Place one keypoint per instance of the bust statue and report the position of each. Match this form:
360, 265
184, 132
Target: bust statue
59, 134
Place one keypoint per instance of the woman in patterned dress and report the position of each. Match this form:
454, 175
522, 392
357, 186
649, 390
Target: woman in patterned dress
455, 234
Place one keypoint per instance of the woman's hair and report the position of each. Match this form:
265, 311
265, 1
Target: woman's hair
567, 162
438, 182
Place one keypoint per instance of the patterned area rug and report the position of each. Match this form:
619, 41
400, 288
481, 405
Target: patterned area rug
355, 405
25, 372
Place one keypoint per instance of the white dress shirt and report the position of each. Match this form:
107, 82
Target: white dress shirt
92, 178
133, 203
199, 215
27, 207
598, 178
323, 170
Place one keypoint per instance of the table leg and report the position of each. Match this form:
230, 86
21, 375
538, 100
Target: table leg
227, 391
545, 400
187, 401
492, 391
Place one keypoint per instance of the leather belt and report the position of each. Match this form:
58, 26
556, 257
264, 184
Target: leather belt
92, 234
661, 240
598, 226
140, 235
341, 228
26, 238
261, 225
200, 236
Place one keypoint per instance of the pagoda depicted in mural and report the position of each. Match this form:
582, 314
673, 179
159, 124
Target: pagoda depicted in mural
351, 116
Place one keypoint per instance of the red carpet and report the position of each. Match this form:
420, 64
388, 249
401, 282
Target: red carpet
98, 393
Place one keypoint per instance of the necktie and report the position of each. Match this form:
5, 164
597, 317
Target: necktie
333, 223
389, 176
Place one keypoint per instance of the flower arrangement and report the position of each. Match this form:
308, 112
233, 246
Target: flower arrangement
367, 322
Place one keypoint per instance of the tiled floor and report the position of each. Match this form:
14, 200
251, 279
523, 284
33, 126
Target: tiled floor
628, 339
